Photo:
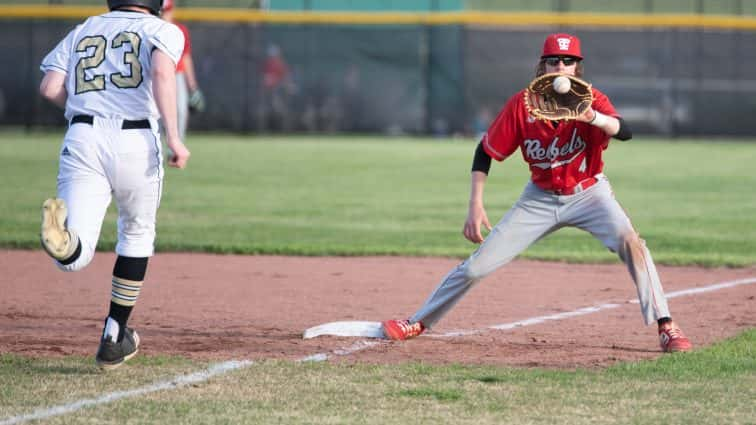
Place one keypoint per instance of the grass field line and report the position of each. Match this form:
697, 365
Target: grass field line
357, 346
171, 384
228, 366
176, 382
708, 288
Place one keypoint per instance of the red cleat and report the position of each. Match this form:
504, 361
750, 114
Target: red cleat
399, 330
672, 339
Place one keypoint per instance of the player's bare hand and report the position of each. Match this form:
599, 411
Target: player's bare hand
179, 155
587, 116
476, 217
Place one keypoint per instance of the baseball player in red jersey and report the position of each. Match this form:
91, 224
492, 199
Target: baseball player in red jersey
188, 93
115, 76
567, 188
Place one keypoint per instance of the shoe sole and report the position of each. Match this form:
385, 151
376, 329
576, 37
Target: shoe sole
108, 366
679, 350
53, 235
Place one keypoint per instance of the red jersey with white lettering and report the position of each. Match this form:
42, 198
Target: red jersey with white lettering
559, 156
181, 66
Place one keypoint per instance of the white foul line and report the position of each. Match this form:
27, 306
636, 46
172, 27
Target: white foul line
532, 321
593, 309
709, 288
222, 368
357, 346
179, 381
176, 382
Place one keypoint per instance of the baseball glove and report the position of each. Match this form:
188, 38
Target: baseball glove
543, 102
196, 101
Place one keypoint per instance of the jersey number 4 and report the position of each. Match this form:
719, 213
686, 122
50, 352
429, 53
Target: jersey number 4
94, 49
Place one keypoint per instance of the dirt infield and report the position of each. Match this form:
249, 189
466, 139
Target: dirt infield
256, 307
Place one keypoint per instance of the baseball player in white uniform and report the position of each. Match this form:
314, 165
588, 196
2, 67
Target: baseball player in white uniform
115, 76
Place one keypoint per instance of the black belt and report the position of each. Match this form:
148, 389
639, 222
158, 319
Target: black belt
127, 124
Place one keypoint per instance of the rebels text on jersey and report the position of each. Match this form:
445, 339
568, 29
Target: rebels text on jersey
559, 155
107, 61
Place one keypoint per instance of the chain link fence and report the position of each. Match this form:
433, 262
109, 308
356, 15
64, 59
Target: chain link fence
421, 79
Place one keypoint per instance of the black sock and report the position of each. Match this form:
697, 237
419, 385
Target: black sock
664, 320
131, 270
120, 314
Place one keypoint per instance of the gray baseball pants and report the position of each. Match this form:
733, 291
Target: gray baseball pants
538, 213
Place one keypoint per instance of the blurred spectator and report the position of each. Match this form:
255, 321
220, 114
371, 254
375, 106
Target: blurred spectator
277, 88
334, 106
189, 96
353, 99
2, 104
483, 119
440, 128
324, 109
332, 114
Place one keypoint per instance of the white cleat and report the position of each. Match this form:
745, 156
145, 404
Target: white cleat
55, 238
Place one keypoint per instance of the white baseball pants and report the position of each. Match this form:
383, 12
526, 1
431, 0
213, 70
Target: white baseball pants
182, 104
101, 161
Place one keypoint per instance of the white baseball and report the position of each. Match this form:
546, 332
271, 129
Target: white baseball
561, 84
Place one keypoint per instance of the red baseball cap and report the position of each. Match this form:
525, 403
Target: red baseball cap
562, 44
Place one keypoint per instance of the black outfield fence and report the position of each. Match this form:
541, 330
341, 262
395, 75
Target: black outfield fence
435, 77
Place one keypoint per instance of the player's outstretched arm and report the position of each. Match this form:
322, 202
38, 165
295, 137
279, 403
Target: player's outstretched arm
606, 123
53, 88
164, 89
476, 214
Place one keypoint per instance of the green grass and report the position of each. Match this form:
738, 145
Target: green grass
713, 385
693, 202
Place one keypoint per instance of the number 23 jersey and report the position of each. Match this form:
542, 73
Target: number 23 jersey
107, 61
